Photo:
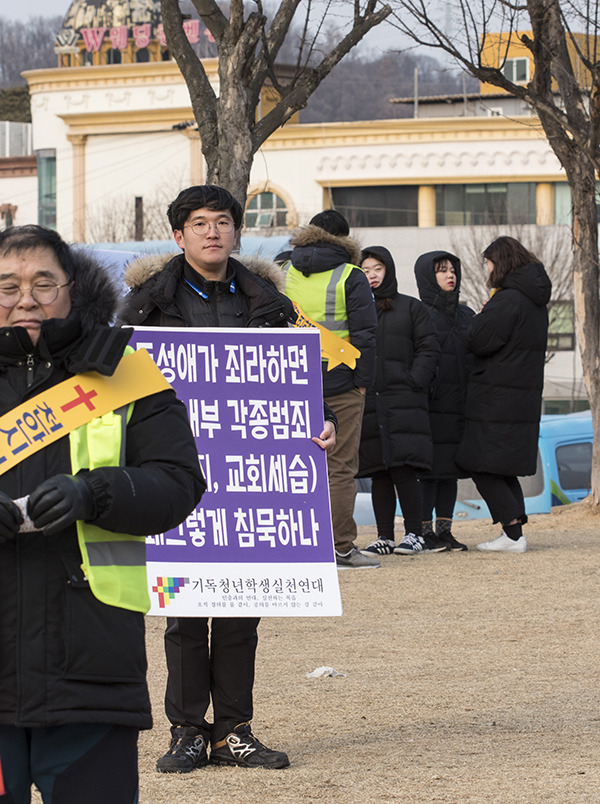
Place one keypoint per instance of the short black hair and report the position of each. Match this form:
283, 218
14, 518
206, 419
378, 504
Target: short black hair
18, 239
332, 221
203, 196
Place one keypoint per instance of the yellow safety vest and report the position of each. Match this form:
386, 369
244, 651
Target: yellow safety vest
113, 563
322, 296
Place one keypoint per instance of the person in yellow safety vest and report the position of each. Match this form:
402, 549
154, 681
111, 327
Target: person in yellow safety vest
74, 513
322, 277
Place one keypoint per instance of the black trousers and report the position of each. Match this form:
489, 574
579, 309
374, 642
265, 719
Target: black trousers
72, 764
503, 495
439, 495
220, 668
401, 480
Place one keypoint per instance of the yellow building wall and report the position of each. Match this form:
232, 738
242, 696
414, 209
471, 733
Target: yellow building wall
501, 46
268, 101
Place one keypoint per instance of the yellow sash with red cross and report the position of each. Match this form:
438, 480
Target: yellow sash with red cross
72, 403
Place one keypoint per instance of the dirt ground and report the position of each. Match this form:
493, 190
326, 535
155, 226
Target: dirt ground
470, 677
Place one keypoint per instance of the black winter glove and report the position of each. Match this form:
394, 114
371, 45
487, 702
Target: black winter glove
59, 502
10, 518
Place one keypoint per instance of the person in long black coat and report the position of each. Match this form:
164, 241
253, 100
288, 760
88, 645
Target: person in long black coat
396, 435
504, 397
438, 276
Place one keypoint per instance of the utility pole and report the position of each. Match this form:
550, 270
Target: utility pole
139, 218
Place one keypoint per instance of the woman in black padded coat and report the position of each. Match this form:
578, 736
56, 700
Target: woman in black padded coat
396, 436
438, 275
504, 396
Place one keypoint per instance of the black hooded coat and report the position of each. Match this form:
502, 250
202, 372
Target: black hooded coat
448, 390
65, 657
504, 396
395, 428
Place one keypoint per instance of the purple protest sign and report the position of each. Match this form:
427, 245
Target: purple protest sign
260, 540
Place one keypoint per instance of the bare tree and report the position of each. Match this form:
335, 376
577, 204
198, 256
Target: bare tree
565, 93
113, 220
248, 47
26, 46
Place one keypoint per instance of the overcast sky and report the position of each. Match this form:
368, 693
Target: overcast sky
24, 9
383, 37
34, 8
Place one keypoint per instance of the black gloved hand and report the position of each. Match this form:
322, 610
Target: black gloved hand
10, 518
59, 502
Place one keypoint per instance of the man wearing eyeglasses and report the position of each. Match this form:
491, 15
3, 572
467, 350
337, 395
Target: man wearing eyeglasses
206, 287
80, 490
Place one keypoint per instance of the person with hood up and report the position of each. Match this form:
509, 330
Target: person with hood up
438, 275
395, 440
504, 395
323, 278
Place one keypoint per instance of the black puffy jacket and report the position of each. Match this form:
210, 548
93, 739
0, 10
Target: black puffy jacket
65, 656
160, 297
395, 428
449, 387
504, 397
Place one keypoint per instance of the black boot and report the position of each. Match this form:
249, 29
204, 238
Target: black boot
443, 531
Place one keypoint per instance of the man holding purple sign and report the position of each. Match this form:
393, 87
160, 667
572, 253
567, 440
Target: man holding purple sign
204, 287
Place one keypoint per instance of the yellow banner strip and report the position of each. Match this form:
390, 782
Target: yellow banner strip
334, 349
72, 403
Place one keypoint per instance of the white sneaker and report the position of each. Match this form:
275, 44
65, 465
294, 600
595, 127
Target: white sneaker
504, 544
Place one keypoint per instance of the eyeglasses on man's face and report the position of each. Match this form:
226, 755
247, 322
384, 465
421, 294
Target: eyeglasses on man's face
201, 228
41, 292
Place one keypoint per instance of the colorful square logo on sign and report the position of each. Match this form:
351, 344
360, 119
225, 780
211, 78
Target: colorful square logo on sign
167, 588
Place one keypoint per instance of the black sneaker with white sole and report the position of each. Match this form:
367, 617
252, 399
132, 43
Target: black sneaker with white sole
454, 544
241, 748
382, 547
186, 752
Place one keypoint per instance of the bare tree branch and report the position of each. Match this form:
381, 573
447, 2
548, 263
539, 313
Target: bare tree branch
212, 16
296, 97
247, 51
201, 92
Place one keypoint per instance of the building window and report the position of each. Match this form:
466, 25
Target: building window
561, 326
46, 171
516, 70
113, 56
142, 55
485, 204
388, 205
265, 211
